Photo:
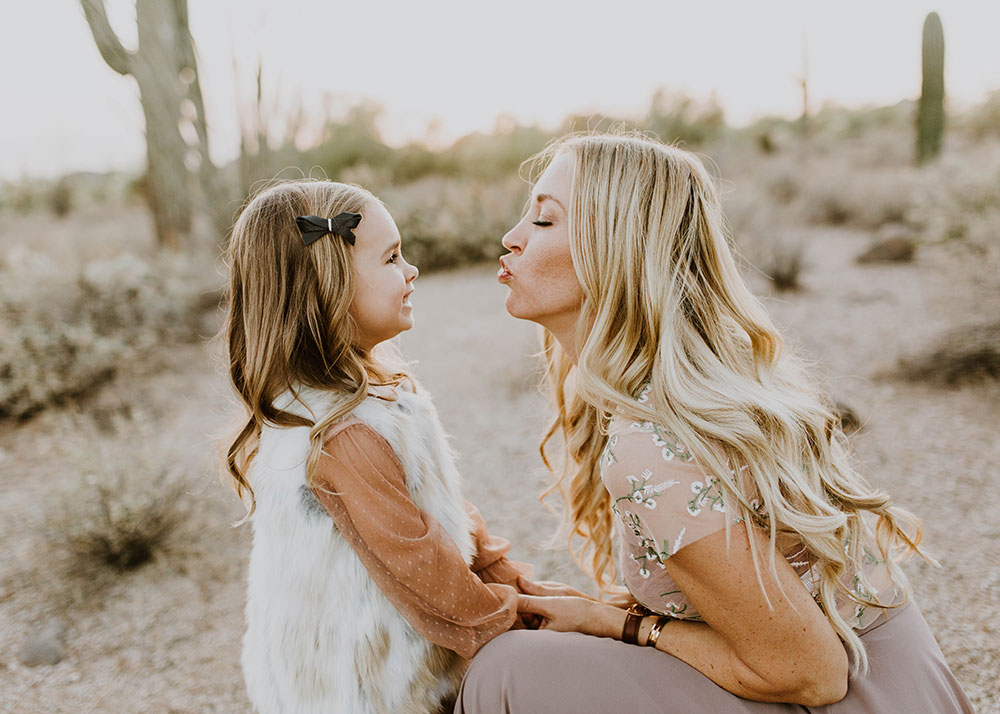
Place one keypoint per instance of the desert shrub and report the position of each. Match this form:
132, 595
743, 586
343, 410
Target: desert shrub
957, 198
783, 262
964, 354
779, 254
61, 198
983, 120
65, 331
836, 194
677, 118
349, 141
495, 156
762, 235
449, 222
125, 499
22, 197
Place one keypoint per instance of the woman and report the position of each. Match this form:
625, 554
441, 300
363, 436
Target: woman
766, 566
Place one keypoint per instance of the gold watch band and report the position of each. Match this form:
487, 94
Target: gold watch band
654, 633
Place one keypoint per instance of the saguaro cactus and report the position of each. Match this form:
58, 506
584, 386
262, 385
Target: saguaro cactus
164, 67
930, 112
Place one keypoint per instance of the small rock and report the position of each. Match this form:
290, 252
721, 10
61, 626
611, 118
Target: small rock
849, 420
46, 644
894, 249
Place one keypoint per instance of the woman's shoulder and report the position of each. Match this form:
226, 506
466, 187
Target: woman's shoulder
631, 440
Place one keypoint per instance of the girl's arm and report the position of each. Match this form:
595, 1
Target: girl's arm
491, 563
361, 485
784, 653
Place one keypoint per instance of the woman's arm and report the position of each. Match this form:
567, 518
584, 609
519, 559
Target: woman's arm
784, 653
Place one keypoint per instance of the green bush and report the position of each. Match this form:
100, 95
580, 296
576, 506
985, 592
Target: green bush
449, 222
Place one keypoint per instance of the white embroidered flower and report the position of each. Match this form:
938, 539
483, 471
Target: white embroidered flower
697, 486
678, 540
644, 394
693, 509
659, 488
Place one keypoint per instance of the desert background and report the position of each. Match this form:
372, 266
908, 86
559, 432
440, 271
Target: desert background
871, 230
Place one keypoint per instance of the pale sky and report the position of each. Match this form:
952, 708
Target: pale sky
462, 64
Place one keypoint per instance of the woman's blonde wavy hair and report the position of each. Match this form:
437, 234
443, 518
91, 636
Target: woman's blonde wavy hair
288, 324
664, 302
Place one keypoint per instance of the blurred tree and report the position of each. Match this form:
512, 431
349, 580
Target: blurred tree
930, 112
676, 118
351, 141
165, 67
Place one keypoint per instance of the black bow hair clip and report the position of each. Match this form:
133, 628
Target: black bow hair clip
315, 227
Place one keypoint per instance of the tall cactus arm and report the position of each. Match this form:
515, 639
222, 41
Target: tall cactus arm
114, 53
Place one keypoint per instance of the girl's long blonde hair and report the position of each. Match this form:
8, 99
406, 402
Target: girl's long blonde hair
664, 302
288, 323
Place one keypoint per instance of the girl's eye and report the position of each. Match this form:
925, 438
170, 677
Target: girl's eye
542, 224
393, 257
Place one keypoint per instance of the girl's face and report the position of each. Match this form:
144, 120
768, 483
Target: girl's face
381, 306
543, 286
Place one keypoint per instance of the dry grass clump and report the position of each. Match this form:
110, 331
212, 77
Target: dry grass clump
64, 330
781, 259
965, 354
127, 497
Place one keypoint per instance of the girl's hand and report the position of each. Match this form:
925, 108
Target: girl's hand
568, 613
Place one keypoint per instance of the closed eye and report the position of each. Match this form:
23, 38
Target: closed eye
542, 224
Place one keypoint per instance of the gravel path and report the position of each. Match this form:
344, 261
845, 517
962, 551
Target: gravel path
166, 637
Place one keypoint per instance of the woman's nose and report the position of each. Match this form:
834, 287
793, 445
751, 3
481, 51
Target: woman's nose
512, 241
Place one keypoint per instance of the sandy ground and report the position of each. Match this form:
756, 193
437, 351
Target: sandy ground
166, 637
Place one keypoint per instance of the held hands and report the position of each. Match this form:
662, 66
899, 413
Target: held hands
565, 609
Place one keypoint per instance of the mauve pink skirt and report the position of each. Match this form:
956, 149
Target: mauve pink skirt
541, 671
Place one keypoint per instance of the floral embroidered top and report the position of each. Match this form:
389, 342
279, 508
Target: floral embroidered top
663, 501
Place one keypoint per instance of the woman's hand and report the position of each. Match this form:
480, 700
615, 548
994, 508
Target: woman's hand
570, 613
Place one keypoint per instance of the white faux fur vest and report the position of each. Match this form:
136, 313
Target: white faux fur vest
321, 637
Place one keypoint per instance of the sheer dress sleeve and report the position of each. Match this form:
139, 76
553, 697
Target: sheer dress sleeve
415, 563
665, 500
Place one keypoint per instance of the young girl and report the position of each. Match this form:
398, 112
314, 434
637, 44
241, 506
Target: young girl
371, 581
